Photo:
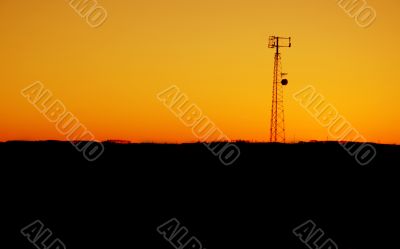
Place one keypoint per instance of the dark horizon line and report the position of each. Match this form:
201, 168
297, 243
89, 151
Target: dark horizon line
113, 141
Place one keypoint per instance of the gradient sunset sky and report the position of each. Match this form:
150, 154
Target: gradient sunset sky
214, 50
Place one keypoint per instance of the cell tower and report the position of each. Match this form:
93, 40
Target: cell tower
277, 132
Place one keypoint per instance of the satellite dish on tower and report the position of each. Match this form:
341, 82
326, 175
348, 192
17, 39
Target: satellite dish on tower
284, 81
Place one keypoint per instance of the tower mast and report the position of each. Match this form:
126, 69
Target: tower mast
277, 129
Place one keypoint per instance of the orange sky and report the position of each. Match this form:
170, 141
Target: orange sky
214, 50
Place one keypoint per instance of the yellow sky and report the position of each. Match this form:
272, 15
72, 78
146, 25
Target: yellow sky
214, 50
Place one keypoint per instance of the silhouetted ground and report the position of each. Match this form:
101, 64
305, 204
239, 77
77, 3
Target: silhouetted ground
119, 200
